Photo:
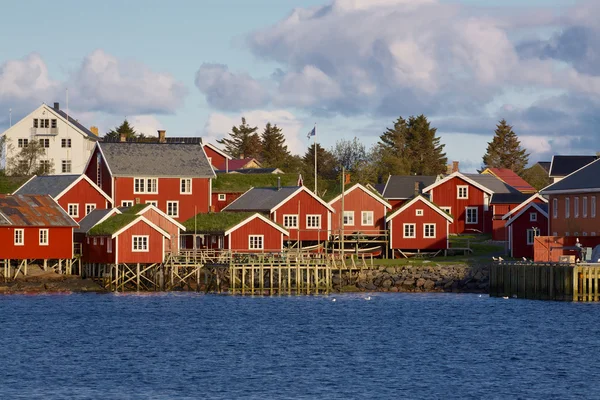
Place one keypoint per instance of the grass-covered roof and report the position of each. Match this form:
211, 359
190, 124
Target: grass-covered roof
217, 222
243, 182
9, 184
112, 224
134, 209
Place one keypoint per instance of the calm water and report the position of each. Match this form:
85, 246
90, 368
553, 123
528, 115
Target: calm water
393, 346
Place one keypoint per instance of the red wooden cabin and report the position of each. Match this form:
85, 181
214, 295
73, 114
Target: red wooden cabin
217, 157
174, 177
364, 211
76, 194
523, 226
419, 225
34, 227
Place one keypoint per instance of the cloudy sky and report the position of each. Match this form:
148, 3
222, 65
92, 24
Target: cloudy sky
350, 66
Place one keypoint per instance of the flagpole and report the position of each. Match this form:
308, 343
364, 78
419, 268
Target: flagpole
315, 158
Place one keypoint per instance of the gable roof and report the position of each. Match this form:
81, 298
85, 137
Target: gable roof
116, 224
582, 180
238, 163
545, 165
510, 177
33, 210
424, 200
565, 165
494, 184
403, 186
377, 187
56, 185
156, 159
542, 208
269, 199
364, 189
74, 122
217, 150
484, 183
94, 218
523, 204
141, 209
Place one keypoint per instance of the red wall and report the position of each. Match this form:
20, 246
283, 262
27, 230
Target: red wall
307, 205
171, 244
396, 203
217, 160
409, 216
98, 253
445, 194
239, 237
60, 244
229, 198
549, 248
519, 245
106, 185
358, 201
168, 190
83, 193
155, 245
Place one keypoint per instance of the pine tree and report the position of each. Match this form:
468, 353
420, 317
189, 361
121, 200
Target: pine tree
124, 128
505, 151
536, 176
391, 147
244, 141
326, 166
274, 152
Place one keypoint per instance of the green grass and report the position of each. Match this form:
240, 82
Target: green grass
215, 222
9, 184
112, 224
243, 182
135, 209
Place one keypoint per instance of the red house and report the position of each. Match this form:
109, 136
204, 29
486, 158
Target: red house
217, 157
419, 225
174, 177
304, 215
524, 225
235, 231
76, 194
34, 227
401, 188
364, 211
223, 198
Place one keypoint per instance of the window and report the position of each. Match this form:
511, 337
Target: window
471, 215
576, 207
447, 210
35, 122
95, 241
185, 186
108, 245
576, 234
139, 243
593, 234
102, 241
43, 237
19, 237
567, 207
566, 233
313, 221
73, 210
222, 197
290, 221
255, 242
23, 143
532, 217
66, 166
53, 123
409, 231
593, 207
45, 166
89, 208
126, 203
152, 203
98, 170
554, 234
584, 233
145, 185
45, 143
44, 123
173, 208
462, 192
530, 235
584, 205
367, 218
419, 212
65, 143
348, 218
429, 230
554, 208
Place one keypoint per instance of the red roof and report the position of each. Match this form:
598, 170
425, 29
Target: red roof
509, 177
240, 163
32, 210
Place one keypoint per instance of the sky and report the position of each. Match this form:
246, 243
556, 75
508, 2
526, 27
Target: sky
352, 67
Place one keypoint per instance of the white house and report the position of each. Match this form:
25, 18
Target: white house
68, 143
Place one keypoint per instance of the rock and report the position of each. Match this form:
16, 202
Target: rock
387, 283
370, 286
390, 270
420, 282
428, 285
449, 284
478, 275
394, 289
408, 282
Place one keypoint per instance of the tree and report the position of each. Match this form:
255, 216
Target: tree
124, 128
349, 154
30, 161
505, 151
326, 165
244, 142
3, 151
274, 152
536, 176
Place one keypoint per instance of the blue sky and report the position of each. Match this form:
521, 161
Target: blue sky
351, 66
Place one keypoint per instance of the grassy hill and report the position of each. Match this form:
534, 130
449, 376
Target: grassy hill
9, 184
243, 182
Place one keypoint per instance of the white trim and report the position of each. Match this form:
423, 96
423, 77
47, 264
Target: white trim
425, 230
143, 219
22, 243
532, 217
414, 235
191, 185
391, 229
348, 212
86, 178
303, 189
533, 235
458, 188
419, 212
221, 194
555, 207
167, 208
161, 213
362, 218
313, 227
460, 176
413, 201
216, 149
359, 186
47, 236
467, 215
446, 208
145, 180
76, 206
90, 204
291, 215
262, 242
146, 250
153, 203
386, 184
130, 203
544, 213
262, 218
523, 204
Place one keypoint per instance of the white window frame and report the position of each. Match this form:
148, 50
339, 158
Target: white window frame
102, 241
584, 234
349, 217
593, 207
315, 217
65, 143
554, 234
447, 210
567, 207
253, 245
286, 221
22, 143
152, 202
555, 208
19, 237
532, 217
127, 203
370, 218
95, 241
185, 186
44, 143
419, 212
593, 234
458, 192
222, 197
89, 207
146, 183
576, 207
567, 234
142, 242
108, 245
467, 215
44, 237
584, 206
66, 166
425, 233
414, 231
171, 203
75, 208
530, 236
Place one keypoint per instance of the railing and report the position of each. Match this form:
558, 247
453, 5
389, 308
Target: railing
44, 131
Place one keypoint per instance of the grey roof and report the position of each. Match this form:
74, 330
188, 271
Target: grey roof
564, 165
585, 178
52, 185
261, 199
403, 186
258, 171
509, 198
76, 124
379, 187
153, 139
492, 183
157, 159
90, 220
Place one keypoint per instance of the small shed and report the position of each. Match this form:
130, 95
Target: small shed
524, 226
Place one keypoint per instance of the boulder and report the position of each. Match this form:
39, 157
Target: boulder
387, 283
428, 285
420, 282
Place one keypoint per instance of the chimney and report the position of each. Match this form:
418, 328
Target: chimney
162, 136
56, 106
94, 130
278, 183
454, 166
417, 188
241, 156
346, 179
122, 138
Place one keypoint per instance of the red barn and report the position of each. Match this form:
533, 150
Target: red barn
304, 215
401, 188
217, 157
238, 232
174, 177
34, 227
524, 225
76, 194
419, 225
364, 211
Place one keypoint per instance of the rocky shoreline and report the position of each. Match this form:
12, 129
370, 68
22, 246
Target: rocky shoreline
49, 283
